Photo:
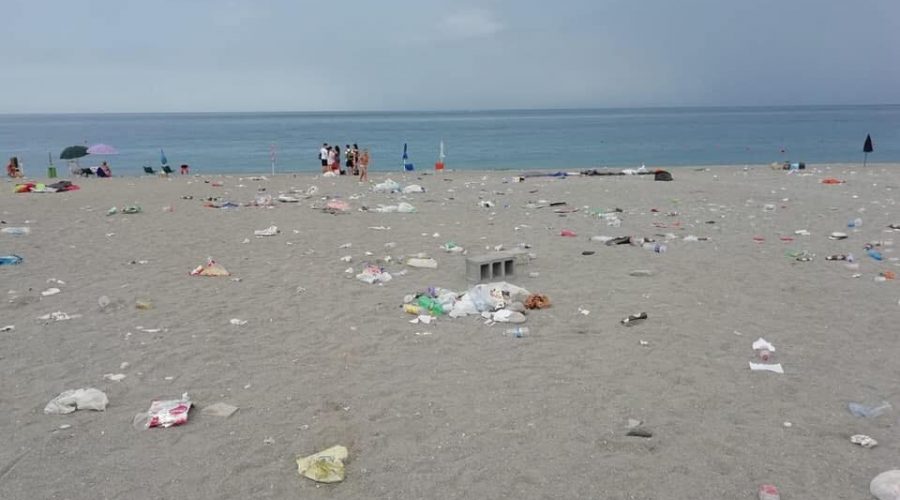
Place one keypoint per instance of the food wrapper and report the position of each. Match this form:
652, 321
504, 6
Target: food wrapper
327, 466
210, 269
168, 413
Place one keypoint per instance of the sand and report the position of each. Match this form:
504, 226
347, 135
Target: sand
465, 412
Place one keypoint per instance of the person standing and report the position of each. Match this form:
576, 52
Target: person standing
348, 159
363, 166
330, 160
323, 156
355, 159
337, 159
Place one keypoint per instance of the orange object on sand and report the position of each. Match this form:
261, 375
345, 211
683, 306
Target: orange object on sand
832, 180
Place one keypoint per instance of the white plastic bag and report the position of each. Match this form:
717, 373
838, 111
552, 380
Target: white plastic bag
78, 399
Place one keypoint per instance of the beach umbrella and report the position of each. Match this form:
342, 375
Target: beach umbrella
102, 149
867, 148
73, 153
162, 158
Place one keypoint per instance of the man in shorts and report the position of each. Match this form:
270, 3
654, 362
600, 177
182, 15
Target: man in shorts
323, 156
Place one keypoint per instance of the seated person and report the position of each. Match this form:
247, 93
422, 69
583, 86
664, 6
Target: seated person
12, 169
185, 169
104, 171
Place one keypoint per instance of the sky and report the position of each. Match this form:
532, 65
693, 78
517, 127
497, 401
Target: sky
65, 56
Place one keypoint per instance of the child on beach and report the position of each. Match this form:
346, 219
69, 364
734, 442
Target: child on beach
12, 169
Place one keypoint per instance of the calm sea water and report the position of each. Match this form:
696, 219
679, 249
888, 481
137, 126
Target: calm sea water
241, 142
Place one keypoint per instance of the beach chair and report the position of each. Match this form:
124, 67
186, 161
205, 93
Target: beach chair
149, 171
166, 170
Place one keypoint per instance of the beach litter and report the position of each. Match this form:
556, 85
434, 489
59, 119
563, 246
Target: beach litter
238, 322
863, 440
210, 269
402, 207
269, 231
388, 186
220, 409
326, 466
77, 399
763, 349
10, 260
114, 377
634, 319
861, 410
59, 316
372, 274
335, 206
424, 263
17, 231
164, 413
451, 247
775, 368
7, 328
886, 486
413, 188
768, 492
50, 291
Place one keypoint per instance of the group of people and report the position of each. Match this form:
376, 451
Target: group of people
356, 160
13, 169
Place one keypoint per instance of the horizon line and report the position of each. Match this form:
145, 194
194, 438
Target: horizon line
481, 110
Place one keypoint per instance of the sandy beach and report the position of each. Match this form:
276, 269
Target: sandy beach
454, 409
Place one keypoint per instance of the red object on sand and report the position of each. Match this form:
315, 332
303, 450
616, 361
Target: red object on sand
568, 233
768, 492
759, 239
832, 180
786, 238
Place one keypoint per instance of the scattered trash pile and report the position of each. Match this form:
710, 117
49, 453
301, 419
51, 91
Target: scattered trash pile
497, 302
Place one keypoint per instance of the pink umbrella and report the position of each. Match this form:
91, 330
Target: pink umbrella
102, 149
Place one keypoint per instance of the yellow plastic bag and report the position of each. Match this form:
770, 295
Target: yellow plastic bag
327, 466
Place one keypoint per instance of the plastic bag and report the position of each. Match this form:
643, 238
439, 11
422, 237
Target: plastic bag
327, 466
387, 186
78, 399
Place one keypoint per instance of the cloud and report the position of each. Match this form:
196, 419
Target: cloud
473, 23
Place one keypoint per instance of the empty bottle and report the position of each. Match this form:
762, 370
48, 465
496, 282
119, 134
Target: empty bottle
875, 254
517, 332
857, 222
8, 260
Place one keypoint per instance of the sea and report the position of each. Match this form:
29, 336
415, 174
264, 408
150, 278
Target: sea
510, 139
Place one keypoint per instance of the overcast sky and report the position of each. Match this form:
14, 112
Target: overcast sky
298, 55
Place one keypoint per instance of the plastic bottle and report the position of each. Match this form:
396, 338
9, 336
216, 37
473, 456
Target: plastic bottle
857, 222
875, 254
412, 309
431, 305
768, 492
8, 260
517, 332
